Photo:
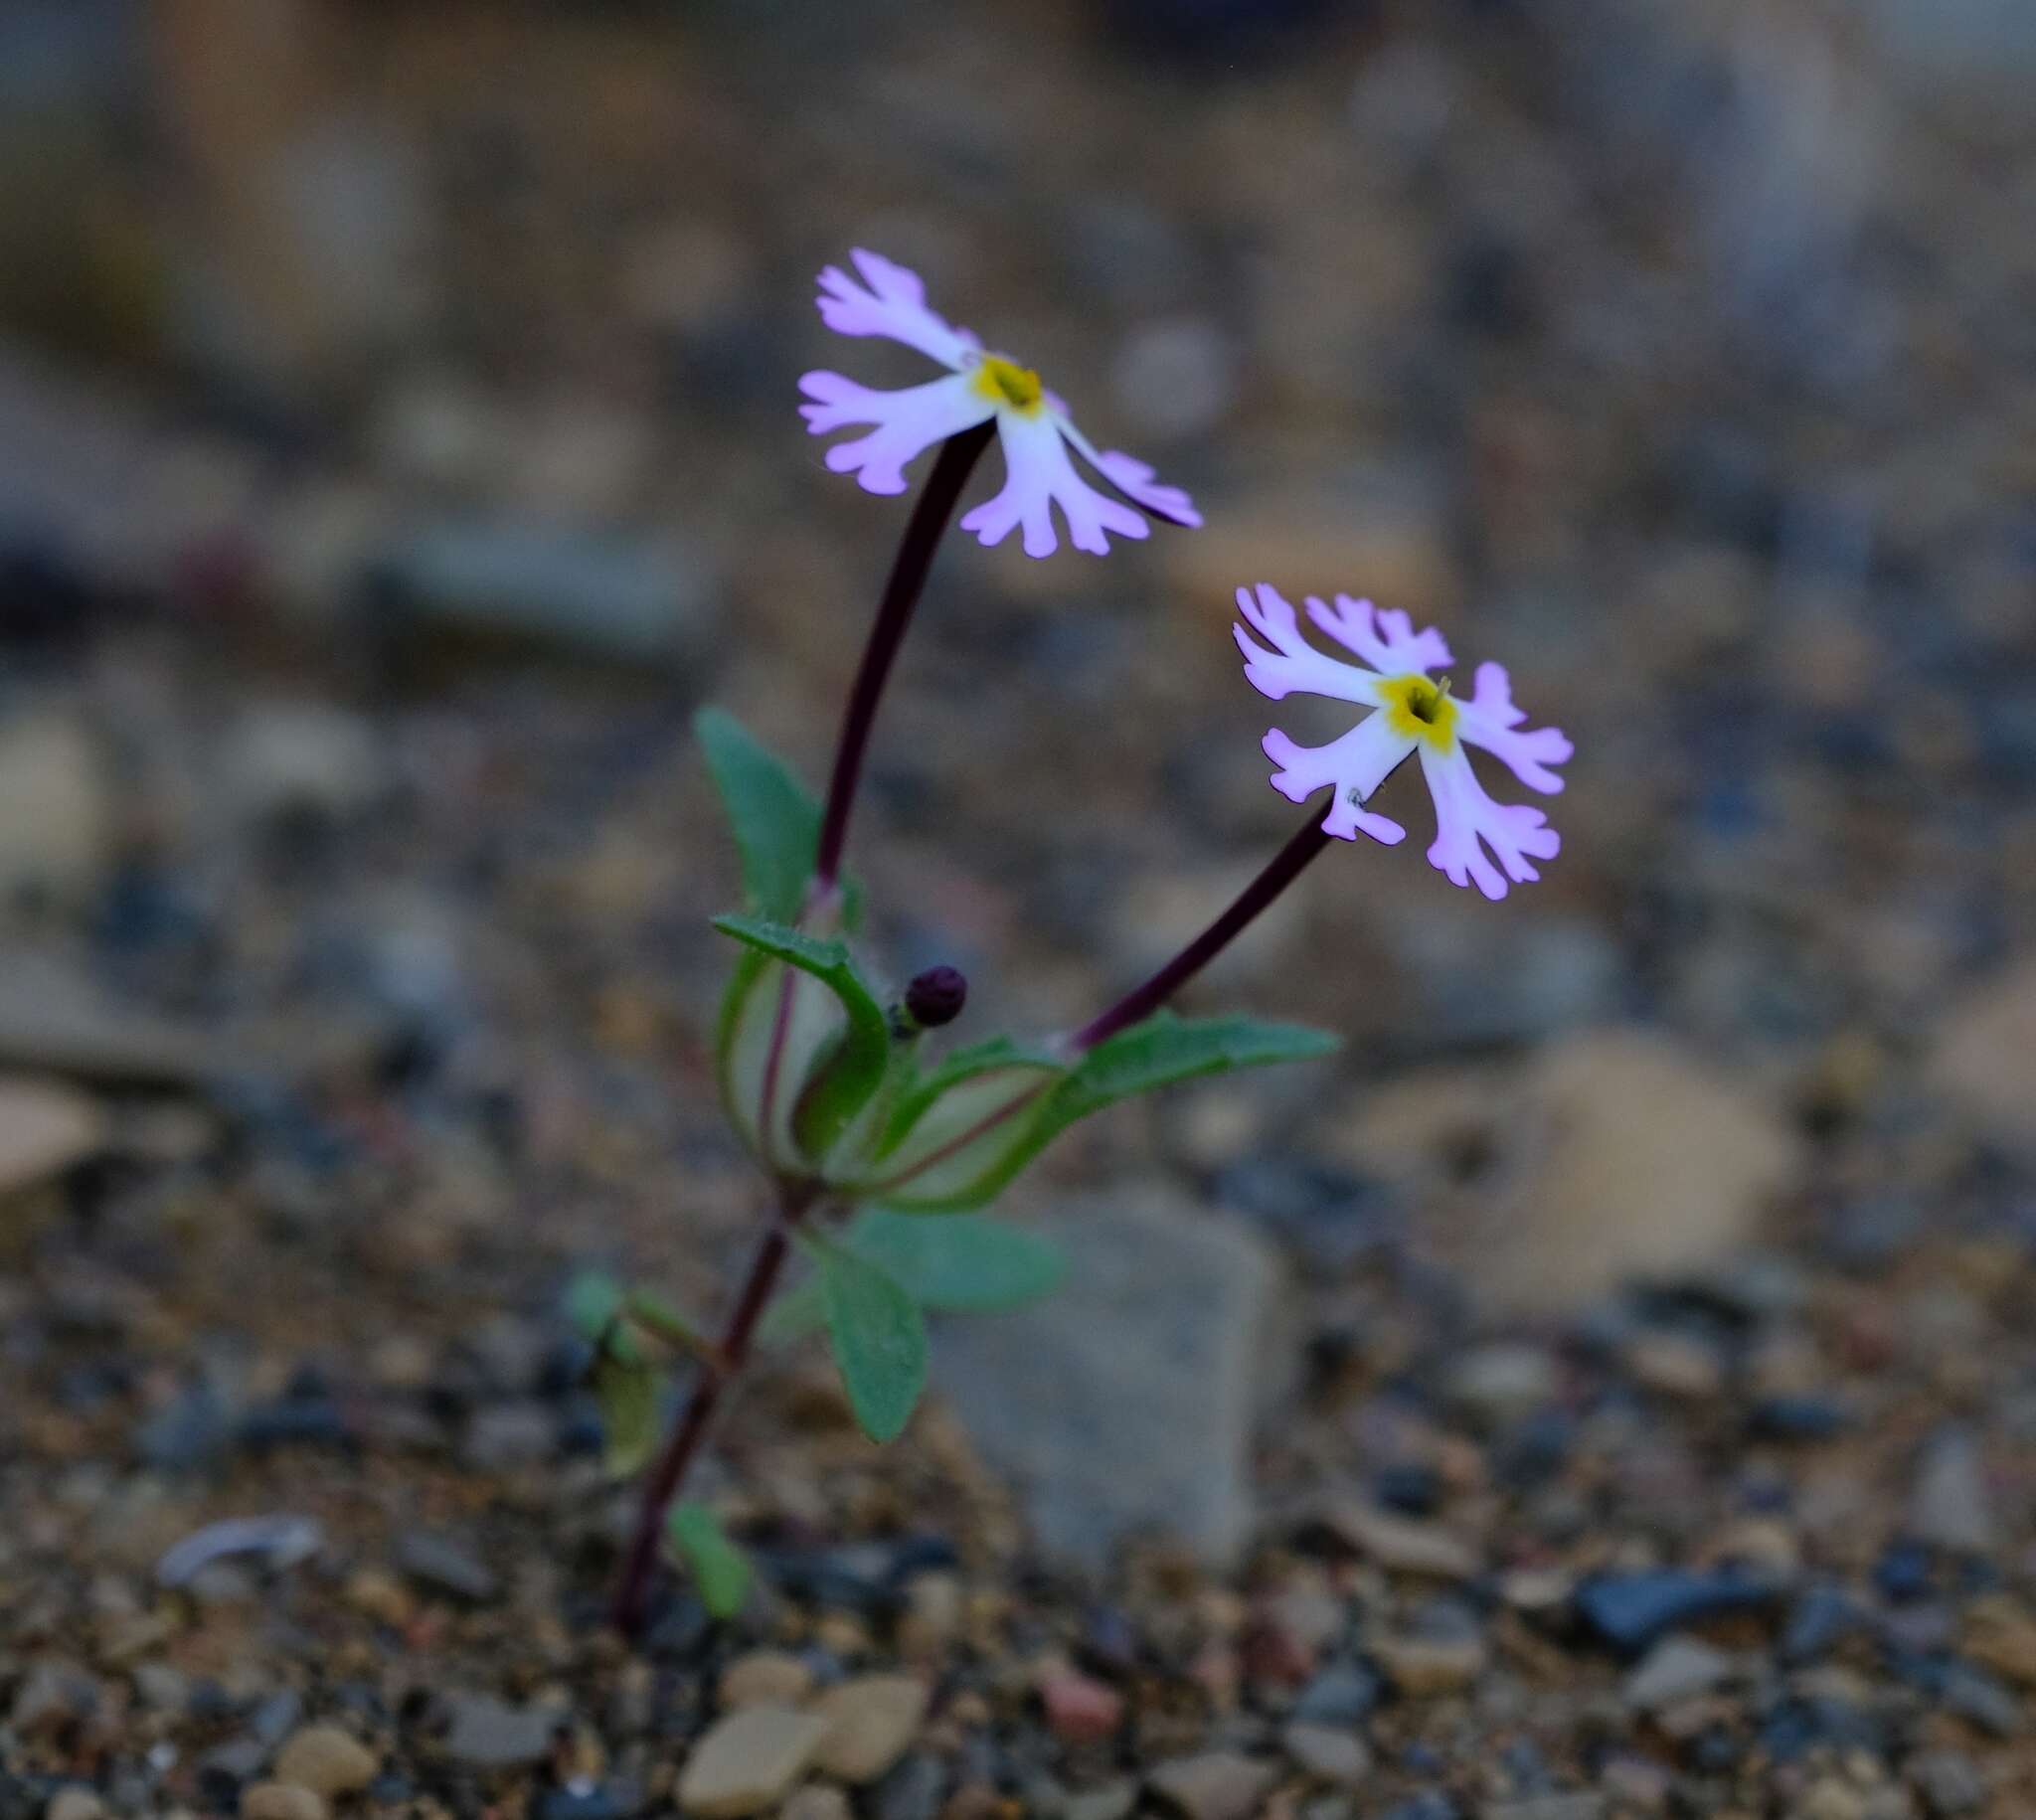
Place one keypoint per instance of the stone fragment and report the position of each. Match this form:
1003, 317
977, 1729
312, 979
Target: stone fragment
75, 1803
281, 1802
817, 1801
1328, 1753
1080, 1710
1621, 1156
748, 1761
1124, 1402
1503, 1383
46, 1128
1424, 1666
1981, 1062
1215, 1786
872, 1720
490, 1734
1402, 1545
1950, 1507
441, 1564
1674, 1670
764, 1677
57, 822
326, 1759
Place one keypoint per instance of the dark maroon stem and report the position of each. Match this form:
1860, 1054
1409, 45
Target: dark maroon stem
1142, 1001
951, 468
633, 1589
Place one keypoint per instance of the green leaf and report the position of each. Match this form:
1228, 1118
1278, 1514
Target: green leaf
827, 1080
626, 1389
720, 1569
593, 1303
1160, 1051
965, 1264
776, 823
1165, 1050
962, 1263
878, 1339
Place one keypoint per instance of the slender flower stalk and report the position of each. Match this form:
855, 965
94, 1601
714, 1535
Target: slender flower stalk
951, 468
1143, 1000
669, 1475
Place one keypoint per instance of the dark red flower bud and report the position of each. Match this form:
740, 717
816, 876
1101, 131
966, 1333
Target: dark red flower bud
936, 997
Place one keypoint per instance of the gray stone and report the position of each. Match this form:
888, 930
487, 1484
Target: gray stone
1675, 1669
1949, 1782
1579, 1806
506, 1435
1124, 1403
1216, 1786
1329, 1754
443, 1566
490, 1734
1950, 1507
303, 759
626, 599
1503, 1383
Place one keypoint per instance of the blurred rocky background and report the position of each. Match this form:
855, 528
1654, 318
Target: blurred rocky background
1608, 1388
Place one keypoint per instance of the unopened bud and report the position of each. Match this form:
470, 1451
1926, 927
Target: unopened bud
936, 997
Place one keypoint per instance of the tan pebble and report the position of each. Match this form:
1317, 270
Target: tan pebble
74, 1804
843, 1633
872, 1720
1419, 1666
748, 1761
934, 1608
968, 1710
327, 1761
281, 1802
816, 1801
1830, 1799
378, 1595
764, 1677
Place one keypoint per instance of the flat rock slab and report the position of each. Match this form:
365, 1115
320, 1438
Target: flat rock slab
1125, 1403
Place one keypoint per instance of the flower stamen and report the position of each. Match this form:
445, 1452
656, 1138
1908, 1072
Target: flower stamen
1420, 709
1005, 383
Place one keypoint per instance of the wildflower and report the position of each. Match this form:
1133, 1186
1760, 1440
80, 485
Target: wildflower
1411, 713
978, 388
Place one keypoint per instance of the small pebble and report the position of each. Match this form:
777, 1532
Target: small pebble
327, 1761
281, 1802
872, 1721
1216, 1786
1328, 1753
748, 1761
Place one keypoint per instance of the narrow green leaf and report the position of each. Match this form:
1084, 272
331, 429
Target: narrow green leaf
776, 823
1165, 1050
626, 1390
720, 1569
1162, 1052
878, 1339
823, 1086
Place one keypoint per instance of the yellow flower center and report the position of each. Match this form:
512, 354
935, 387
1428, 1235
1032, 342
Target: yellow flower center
1005, 383
1417, 709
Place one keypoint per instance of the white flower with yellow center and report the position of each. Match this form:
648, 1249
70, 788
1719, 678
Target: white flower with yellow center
1411, 713
1032, 424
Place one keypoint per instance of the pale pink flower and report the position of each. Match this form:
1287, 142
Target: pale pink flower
1409, 714
1033, 425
